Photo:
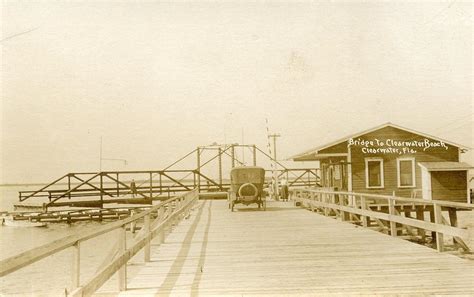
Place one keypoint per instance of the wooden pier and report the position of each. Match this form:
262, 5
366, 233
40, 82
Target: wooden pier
331, 244
287, 250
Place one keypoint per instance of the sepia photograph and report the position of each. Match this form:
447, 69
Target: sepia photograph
236, 148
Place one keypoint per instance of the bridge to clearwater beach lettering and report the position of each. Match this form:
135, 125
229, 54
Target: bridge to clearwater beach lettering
393, 146
320, 243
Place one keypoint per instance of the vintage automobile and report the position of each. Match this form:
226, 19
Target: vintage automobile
246, 186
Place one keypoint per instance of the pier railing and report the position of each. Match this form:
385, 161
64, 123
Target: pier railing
156, 221
389, 214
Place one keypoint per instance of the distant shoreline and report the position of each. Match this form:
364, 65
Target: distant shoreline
16, 185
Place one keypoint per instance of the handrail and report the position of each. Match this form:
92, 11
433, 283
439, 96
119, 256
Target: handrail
16, 262
356, 208
461, 205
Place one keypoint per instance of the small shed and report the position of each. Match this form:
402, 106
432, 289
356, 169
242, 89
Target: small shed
445, 180
390, 159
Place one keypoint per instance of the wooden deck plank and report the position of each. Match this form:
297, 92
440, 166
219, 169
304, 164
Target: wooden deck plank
293, 252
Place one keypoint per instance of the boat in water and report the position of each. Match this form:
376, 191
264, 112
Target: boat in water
11, 222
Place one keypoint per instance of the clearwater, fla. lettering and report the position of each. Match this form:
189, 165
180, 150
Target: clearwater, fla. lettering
388, 150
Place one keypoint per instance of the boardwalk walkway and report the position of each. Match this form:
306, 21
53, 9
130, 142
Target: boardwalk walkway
290, 251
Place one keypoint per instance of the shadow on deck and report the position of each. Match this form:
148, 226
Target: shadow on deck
290, 251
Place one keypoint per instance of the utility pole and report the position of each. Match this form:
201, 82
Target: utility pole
101, 158
275, 168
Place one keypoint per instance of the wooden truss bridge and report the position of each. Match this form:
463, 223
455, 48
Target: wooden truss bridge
323, 243
94, 189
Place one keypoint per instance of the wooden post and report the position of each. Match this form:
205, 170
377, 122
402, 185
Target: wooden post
118, 185
146, 226
326, 209
453, 218
151, 186
76, 266
363, 205
232, 154
438, 220
133, 224
420, 215
342, 214
122, 246
391, 210
220, 169
311, 198
199, 169
254, 155
161, 184
432, 220
101, 191
161, 213
69, 185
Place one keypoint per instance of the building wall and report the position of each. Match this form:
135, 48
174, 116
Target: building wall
449, 185
358, 155
334, 173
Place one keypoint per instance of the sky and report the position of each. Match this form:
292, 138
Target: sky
155, 80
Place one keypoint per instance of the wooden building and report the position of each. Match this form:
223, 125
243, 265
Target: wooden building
390, 159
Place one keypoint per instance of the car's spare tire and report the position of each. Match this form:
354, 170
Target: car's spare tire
248, 192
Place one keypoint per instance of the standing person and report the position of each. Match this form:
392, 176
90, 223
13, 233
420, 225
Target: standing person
133, 187
270, 190
284, 189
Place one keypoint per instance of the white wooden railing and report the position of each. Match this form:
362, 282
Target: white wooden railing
363, 209
165, 215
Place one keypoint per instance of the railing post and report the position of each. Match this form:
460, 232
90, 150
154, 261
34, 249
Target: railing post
198, 168
342, 214
151, 186
326, 208
133, 224
76, 266
220, 168
161, 183
232, 154
320, 199
438, 220
122, 246
363, 206
420, 215
146, 226
69, 185
101, 190
391, 210
161, 214
118, 184
255, 156
311, 198
333, 201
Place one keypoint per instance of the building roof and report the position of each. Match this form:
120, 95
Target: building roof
316, 156
445, 166
314, 151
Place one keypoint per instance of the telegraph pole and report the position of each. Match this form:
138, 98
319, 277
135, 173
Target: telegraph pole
101, 158
275, 171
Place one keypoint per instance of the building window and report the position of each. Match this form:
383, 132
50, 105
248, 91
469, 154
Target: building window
406, 172
374, 173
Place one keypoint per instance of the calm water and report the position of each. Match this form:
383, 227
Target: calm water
50, 276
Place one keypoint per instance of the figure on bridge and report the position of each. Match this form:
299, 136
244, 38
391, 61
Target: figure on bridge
133, 188
284, 189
